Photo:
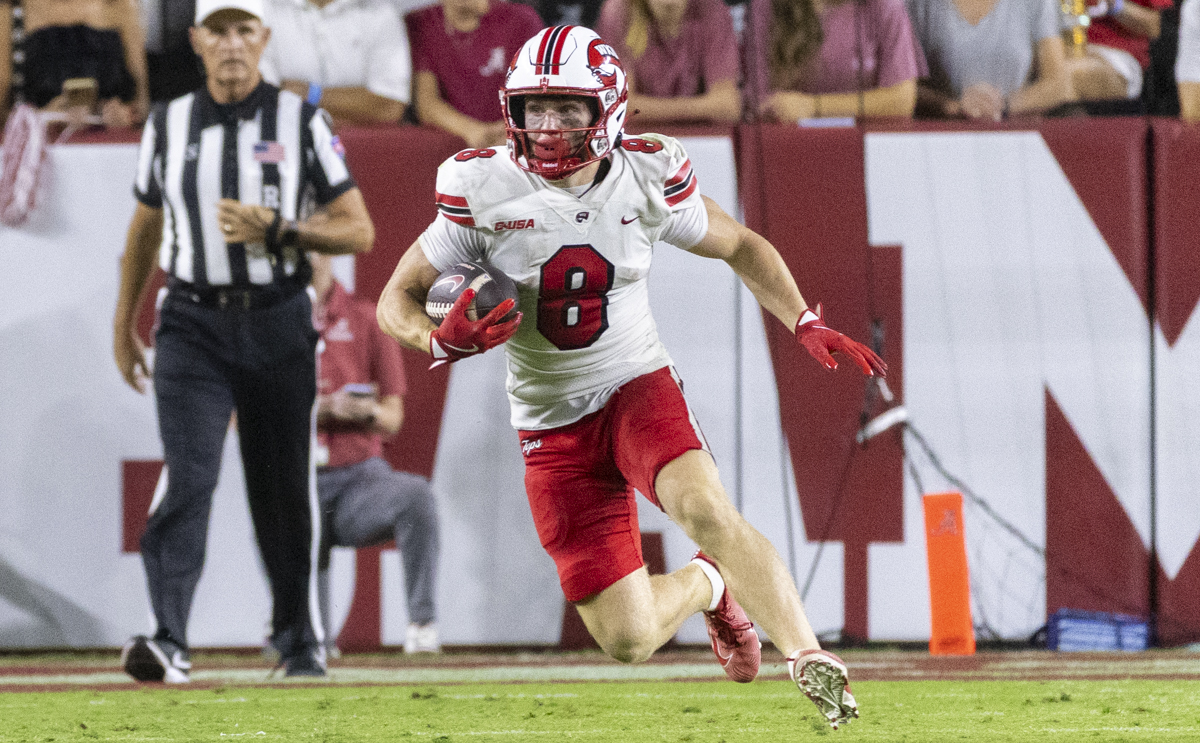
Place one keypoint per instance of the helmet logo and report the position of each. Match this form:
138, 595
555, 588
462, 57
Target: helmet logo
604, 63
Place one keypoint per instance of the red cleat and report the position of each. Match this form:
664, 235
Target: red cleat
822, 677
734, 640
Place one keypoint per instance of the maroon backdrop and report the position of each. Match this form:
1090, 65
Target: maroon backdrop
1177, 290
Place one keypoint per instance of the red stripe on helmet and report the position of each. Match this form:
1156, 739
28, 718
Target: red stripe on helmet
541, 53
556, 59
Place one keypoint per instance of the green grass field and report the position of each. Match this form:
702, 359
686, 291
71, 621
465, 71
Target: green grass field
610, 712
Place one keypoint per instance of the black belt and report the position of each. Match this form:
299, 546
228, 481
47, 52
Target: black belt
234, 298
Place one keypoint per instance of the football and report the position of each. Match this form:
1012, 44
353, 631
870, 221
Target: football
492, 286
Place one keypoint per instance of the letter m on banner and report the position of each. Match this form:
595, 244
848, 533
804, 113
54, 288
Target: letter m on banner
1027, 347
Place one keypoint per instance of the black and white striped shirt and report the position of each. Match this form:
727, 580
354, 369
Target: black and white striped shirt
270, 149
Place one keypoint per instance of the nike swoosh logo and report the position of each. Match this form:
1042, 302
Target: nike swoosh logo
629, 221
472, 349
724, 658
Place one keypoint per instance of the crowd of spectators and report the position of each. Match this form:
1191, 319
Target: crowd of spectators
442, 63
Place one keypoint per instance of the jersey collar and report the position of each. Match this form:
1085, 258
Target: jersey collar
244, 110
580, 211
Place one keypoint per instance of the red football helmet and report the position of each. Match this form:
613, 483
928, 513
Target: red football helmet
565, 60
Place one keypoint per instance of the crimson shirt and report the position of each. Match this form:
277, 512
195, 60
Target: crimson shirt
356, 352
470, 67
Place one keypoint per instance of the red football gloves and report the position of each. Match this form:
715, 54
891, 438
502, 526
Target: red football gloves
822, 341
457, 337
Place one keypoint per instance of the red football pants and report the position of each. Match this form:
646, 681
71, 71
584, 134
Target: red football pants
580, 479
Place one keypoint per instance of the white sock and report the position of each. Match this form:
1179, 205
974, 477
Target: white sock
714, 577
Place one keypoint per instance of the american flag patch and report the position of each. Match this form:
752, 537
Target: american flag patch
268, 152
338, 147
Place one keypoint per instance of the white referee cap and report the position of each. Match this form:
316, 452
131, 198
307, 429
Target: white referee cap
205, 8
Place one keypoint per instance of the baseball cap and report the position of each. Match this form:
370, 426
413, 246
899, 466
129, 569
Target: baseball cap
205, 8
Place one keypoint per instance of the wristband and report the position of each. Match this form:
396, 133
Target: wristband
281, 233
314, 94
271, 238
289, 233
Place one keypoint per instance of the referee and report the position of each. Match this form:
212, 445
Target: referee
225, 177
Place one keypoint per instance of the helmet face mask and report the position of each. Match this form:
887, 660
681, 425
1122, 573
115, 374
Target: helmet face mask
554, 141
572, 62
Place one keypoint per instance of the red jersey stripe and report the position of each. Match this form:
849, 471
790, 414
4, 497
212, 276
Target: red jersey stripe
464, 221
684, 190
449, 200
680, 175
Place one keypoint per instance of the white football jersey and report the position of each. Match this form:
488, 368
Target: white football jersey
581, 264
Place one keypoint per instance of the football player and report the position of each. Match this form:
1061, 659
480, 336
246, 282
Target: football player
570, 212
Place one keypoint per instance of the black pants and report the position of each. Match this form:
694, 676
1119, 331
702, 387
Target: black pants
261, 363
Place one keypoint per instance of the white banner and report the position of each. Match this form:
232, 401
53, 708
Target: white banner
1009, 292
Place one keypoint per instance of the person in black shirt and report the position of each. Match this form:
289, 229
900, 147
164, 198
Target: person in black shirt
225, 178
82, 58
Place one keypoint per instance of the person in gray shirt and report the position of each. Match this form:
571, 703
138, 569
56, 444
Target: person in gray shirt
990, 58
1187, 64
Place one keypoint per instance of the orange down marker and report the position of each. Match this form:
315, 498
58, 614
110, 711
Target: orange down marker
949, 582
